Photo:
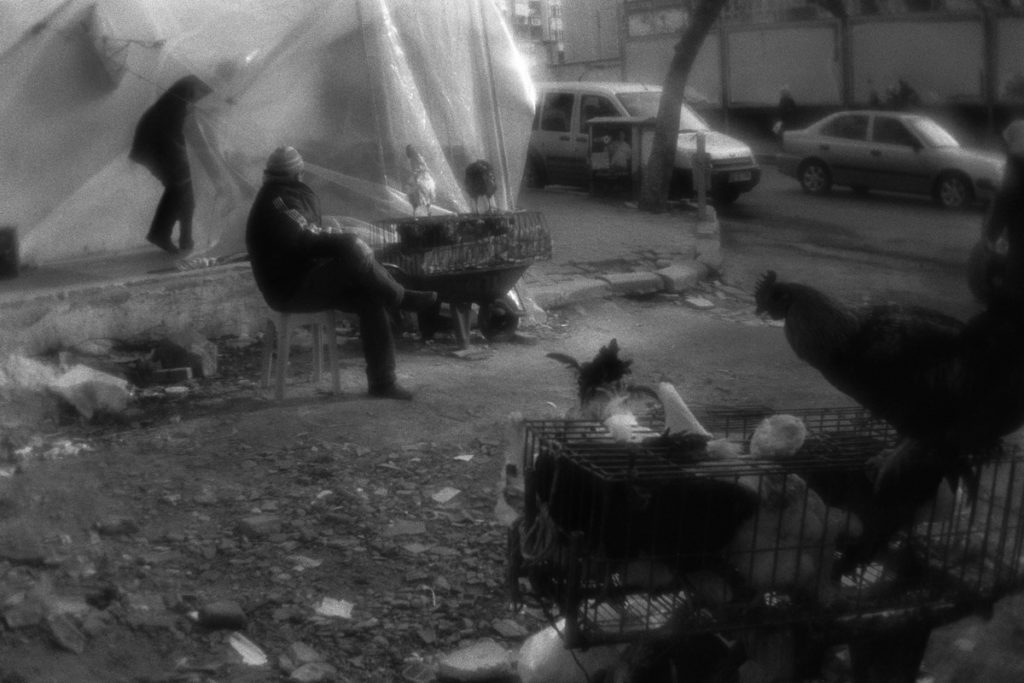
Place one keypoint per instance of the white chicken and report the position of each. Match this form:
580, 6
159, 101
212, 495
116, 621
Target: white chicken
421, 188
789, 546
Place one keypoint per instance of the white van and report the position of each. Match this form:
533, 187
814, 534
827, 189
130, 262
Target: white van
560, 143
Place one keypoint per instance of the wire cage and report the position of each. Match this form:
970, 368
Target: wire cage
435, 245
640, 540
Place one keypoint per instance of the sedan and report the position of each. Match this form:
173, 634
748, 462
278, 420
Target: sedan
891, 151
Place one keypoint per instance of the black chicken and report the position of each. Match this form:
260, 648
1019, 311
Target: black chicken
480, 182
950, 389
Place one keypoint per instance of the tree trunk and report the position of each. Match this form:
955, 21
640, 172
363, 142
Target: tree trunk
654, 194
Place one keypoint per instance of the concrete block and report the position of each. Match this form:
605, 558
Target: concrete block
544, 657
683, 276
485, 660
91, 391
634, 283
709, 253
569, 292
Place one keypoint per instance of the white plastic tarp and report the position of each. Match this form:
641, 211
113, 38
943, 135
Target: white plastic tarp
349, 83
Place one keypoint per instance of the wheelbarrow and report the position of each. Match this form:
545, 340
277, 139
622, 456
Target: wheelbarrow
467, 259
492, 289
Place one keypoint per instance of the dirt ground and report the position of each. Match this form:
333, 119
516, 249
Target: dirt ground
213, 492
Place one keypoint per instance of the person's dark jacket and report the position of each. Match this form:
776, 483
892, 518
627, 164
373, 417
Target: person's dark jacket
159, 142
994, 273
786, 111
285, 240
1007, 211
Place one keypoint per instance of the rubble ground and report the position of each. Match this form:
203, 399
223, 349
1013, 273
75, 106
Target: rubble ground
210, 529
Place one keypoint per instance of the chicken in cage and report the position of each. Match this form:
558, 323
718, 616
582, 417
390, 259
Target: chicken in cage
462, 242
630, 540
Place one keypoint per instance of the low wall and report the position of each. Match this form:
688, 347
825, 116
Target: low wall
215, 302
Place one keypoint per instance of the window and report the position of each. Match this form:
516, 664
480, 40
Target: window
891, 131
557, 112
934, 134
594, 105
849, 126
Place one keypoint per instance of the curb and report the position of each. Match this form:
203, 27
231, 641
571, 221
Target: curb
675, 279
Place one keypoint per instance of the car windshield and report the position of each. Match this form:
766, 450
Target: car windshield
933, 134
645, 105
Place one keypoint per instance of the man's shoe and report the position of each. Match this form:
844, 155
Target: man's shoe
415, 300
164, 243
394, 391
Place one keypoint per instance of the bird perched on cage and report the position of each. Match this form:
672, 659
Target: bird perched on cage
603, 394
950, 389
480, 182
420, 188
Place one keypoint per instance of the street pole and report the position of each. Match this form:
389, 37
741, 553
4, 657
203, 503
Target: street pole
700, 176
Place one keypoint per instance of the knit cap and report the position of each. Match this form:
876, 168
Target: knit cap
284, 161
1014, 137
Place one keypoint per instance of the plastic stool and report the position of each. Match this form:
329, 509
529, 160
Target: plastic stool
277, 337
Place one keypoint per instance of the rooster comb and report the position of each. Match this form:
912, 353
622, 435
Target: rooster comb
766, 281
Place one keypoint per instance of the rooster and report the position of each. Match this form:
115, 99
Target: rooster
601, 390
421, 188
480, 182
950, 389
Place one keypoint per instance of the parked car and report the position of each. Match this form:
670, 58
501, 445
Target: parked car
892, 151
560, 142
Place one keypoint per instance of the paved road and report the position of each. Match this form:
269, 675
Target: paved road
879, 246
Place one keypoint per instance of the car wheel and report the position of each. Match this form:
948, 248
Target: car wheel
814, 177
953, 191
533, 175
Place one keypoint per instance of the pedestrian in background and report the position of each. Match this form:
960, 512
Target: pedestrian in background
784, 112
159, 145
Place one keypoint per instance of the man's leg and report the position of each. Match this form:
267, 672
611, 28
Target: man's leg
331, 286
379, 351
163, 220
186, 209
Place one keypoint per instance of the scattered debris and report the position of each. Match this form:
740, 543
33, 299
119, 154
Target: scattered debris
250, 652
404, 527
65, 633
222, 614
331, 607
445, 495
314, 672
116, 525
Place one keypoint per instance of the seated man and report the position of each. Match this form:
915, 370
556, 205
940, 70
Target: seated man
299, 266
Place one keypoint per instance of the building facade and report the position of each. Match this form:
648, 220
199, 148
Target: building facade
538, 28
828, 52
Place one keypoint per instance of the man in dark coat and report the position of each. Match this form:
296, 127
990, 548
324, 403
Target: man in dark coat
159, 145
301, 266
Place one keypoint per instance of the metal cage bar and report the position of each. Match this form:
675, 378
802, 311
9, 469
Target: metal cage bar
623, 558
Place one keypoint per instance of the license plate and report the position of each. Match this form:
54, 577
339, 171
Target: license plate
739, 176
